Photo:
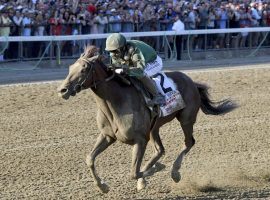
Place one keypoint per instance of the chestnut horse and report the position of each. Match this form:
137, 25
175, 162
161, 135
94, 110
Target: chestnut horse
123, 115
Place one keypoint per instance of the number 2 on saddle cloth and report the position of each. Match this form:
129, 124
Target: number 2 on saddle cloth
167, 87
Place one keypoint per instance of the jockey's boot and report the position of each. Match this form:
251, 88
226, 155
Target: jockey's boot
150, 85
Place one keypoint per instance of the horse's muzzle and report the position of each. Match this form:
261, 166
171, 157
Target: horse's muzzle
64, 93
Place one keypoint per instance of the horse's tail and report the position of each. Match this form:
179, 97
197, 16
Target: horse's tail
214, 108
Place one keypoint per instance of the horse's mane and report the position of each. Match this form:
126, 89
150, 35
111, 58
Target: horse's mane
89, 51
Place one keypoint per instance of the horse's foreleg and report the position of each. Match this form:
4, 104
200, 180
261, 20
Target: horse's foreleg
137, 156
101, 144
148, 169
189, 142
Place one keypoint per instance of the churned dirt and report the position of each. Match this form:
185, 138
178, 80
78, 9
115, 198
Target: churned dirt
44, 141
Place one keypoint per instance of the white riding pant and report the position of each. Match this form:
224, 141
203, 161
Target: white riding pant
154, 67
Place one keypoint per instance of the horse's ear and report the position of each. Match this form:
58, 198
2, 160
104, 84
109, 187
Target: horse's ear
82, 55
93, 58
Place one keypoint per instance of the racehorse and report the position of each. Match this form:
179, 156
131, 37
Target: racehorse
123, 115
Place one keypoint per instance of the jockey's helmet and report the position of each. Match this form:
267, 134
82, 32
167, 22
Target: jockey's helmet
115, 41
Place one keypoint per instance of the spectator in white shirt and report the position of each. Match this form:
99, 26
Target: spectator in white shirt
178, 26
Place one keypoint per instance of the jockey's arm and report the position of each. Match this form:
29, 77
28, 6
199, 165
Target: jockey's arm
137, 69
115, 63
118, 66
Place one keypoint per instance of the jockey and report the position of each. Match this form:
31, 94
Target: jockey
137, 59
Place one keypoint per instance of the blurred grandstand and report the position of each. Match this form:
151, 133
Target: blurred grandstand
90, 17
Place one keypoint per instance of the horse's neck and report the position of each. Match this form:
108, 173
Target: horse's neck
104, 90
111, 95
110, 92
110, 100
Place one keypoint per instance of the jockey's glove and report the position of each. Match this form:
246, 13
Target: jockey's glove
121, 71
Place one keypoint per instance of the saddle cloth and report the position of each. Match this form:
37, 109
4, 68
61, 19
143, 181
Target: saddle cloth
174, 100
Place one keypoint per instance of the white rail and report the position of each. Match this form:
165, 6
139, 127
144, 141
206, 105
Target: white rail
132, 34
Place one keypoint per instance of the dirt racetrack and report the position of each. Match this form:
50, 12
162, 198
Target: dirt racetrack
44, 141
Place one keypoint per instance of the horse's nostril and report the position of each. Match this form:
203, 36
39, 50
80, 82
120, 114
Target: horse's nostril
63, 91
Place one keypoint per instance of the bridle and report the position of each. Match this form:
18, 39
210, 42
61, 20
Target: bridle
91, 72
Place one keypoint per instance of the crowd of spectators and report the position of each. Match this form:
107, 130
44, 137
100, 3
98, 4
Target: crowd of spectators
72, 17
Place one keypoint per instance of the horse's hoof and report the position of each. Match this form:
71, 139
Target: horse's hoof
103, 187
141, 184
176, 176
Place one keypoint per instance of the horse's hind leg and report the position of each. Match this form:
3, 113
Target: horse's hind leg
101, 144
189, 142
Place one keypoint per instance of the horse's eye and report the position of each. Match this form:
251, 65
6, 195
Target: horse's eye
83, 70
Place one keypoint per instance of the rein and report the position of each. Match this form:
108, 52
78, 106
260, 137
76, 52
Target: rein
93, 72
